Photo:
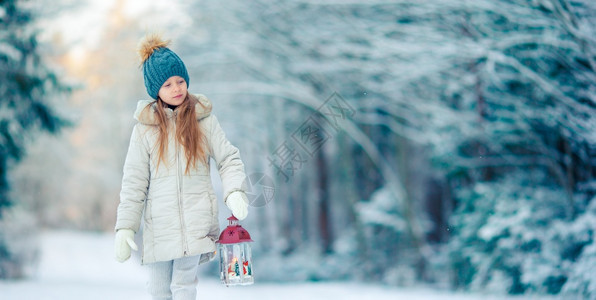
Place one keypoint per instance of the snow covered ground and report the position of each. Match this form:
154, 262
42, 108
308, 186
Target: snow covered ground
79, 265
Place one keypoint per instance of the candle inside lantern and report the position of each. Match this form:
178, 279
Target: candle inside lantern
235, 255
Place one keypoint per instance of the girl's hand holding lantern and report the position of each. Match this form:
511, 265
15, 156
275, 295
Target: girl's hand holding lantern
238, 204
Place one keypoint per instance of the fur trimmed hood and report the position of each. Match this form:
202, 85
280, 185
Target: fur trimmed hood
146, 115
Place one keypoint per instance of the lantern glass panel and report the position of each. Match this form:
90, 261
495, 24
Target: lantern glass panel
236, 264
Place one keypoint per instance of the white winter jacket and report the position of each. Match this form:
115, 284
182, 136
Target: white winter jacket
179, 210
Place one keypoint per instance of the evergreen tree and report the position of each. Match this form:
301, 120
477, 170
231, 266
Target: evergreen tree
25, 86
519, 139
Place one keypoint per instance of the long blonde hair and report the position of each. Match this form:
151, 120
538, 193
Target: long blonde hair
188, 133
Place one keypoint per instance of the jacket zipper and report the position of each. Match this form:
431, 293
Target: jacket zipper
179, 183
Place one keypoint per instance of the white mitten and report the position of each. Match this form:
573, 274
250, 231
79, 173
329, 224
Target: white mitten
238, 204
124, 242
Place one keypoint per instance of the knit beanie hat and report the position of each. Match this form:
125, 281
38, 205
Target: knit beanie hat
159, 63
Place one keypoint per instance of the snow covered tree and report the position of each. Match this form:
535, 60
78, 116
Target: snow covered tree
518, 121
500, 92
473, 121
26, 85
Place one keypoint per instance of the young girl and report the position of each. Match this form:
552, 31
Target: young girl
166, 178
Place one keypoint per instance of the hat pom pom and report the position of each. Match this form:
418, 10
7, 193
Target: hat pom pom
149, 44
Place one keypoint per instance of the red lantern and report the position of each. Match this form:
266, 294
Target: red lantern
235, 261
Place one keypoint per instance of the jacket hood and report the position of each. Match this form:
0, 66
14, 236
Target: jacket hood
146, 115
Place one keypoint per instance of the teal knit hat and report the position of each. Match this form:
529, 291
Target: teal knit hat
159, 64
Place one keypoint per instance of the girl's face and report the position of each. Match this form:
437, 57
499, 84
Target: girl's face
173, 91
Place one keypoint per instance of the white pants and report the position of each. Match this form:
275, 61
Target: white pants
175, 279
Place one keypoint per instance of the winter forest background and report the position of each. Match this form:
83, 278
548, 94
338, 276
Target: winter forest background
455, 146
